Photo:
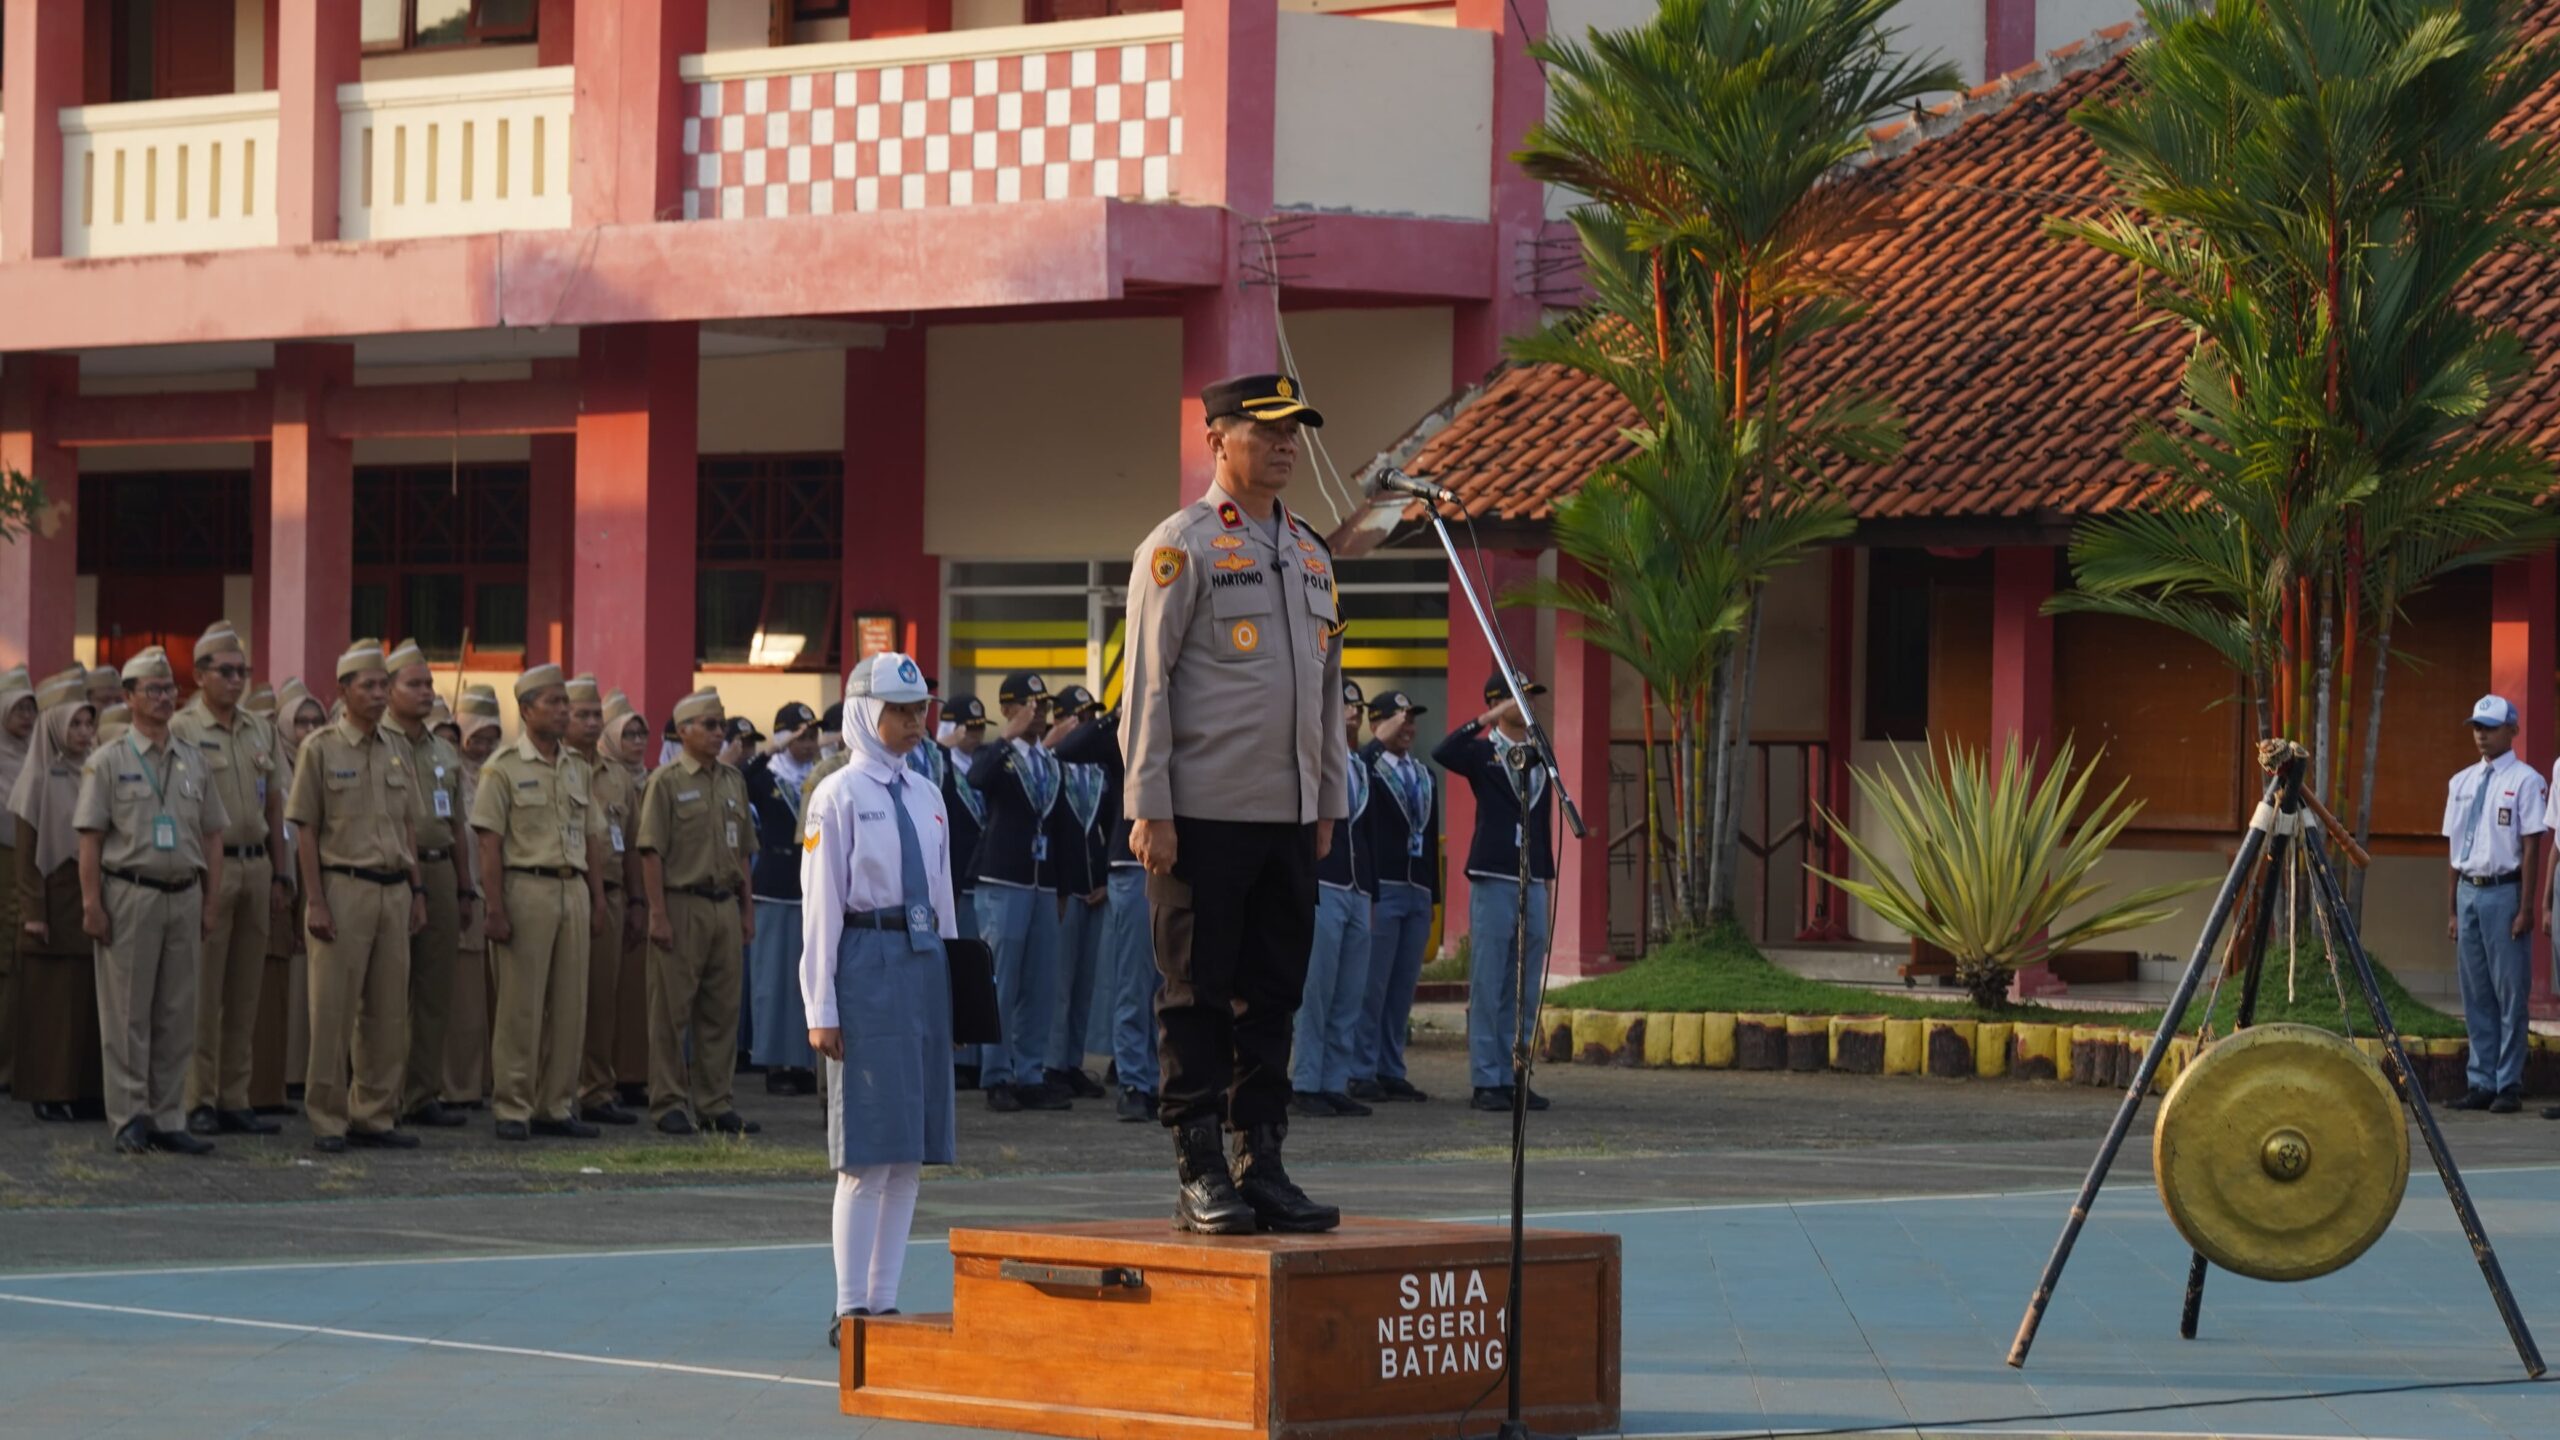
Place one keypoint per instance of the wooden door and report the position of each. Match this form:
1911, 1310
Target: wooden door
191, 48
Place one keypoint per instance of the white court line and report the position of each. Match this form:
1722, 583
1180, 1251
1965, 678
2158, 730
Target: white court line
663, 1367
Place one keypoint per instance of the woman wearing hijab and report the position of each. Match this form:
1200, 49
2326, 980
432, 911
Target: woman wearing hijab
779, 1031
466, 1035
875, 880
56, 1012
298, 713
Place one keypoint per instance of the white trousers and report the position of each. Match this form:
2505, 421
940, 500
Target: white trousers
875, 1208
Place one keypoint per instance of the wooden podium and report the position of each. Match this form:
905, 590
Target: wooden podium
1131, 1330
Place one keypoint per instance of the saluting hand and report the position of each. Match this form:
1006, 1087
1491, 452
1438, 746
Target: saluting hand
827, 1040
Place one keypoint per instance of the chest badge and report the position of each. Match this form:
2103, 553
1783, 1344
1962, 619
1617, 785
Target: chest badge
1166, 565
1247, 637
1226, 542
1229, 516
1233, 562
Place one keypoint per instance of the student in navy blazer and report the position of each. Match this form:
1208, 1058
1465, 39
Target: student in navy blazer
1512, 812
1402, 828
1079, 842
1017, 895
1129, 974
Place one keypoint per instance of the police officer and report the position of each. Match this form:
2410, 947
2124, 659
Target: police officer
1017, 895
1236, 783
617, 794
1080, 844
239, 749
1512, 807
450, 871
1328, 1039
354, 807
151, 825
697, 840
1403, 832
542, 836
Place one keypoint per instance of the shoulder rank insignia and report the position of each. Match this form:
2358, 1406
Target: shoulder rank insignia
1166, 565
1229, 515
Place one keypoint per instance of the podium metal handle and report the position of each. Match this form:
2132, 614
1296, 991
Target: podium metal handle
1074, 1277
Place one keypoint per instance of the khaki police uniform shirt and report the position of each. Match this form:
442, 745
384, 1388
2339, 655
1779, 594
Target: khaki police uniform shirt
541, 810
1234, 671
695, 817
119, 801
617, 797
443, 804
242, 760
355, 796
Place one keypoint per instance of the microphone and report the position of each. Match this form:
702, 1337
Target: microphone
1398, 482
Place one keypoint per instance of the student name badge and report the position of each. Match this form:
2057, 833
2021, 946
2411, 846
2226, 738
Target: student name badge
1413, 846
444, 805
164, 834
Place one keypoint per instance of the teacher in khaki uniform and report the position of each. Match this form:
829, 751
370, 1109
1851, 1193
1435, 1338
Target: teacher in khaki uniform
543, 835
447, 868
354, 807
697, 839
240, 750
1235, 781
150, 826
617, 793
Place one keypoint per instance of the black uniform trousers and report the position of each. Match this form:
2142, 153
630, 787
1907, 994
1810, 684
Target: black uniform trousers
1232, 927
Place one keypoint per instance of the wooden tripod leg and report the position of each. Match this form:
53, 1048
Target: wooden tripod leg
2331, 908
2261, 925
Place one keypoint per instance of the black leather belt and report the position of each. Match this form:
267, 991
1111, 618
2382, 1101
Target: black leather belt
703, 892
245, 852
374, 877
434, 857
875, 920
165, 887
2492, 882
549, 872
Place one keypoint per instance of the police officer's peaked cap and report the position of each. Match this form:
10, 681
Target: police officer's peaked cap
1395, 702
1022, 686
1260, 397
1351, 693
1077, 700
1495, 690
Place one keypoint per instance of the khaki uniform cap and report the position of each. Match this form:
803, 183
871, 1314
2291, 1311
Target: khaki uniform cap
219, 638
537, 679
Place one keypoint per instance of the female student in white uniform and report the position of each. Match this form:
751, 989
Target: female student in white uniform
875, 878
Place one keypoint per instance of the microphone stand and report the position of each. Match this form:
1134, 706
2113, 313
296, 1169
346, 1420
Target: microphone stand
1539, 752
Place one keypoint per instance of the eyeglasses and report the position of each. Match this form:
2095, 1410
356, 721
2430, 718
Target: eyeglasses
159, 690
230, 672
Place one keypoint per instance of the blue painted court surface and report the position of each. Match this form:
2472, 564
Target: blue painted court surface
1856, 1316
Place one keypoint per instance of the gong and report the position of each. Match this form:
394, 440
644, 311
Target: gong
2281, 1152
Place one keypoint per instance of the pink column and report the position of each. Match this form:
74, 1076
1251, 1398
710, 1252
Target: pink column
1519, 203
2022, 682
2008, 36
551, 556
37, 569
1470, 661
317, 50
639, 394
885, 564
310, 519
630, 107
1230, 78
2524, 610
1583, 726
46, 59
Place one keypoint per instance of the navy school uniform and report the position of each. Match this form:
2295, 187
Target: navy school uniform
1016, 897
1128, 959
1504, 824
1329, 1041
1079, 845
1402, 826
777, 1030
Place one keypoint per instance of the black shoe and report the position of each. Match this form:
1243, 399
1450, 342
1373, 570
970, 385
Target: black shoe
381, 1139
2551, 1112
835, 1327
513, 1130
1343, 1104
1491, 1098
566, 1129
805, 1081
54, 1112
2473, 1099
1003, 1099
134, 1137
179, 1142
337, 1144
1136, 1105
1278, 1204
632, 1095
1397, 1090
1074, 1083
200, 1121
607, 1114
675, 1122
1537, 1101
434, 1116
964, 1077
242, 1122
2507, 1103
778, 1081
1208, 1203
1365, 1090
1042, 1097
730, 1122
1312, 1105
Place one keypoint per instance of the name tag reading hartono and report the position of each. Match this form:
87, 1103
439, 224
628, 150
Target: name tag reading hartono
1444, 1323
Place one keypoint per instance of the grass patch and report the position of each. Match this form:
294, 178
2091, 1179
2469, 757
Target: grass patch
1722, 971
76, 1163
1453, 967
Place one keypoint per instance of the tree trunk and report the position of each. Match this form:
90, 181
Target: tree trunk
1728, 841
1706, 817
1656, 872
2372, 759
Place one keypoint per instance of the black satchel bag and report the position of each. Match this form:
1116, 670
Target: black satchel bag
976, 1018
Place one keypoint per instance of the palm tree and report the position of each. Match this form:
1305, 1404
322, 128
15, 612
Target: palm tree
1709, 142
2311, 190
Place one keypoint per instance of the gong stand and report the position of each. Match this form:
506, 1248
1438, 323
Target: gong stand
2288, 818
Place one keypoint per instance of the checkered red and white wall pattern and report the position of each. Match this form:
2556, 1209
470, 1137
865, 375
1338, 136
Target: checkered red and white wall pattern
1054, 125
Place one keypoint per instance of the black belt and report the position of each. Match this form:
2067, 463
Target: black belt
165, 887
434, 857
703, 892
245, 852
2492, 882
875, 920
375, 877
549, 872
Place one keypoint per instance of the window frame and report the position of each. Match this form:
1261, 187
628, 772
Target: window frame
475, 31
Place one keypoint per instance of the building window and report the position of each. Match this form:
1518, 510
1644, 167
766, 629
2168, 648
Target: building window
820, 9
1898, 585
440, 557
768, 536
393, 25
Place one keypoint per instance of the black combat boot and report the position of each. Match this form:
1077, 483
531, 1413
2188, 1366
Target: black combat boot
1208, 1203
1277, 1203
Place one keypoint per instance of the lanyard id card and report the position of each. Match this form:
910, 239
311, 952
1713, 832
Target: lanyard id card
444, 804
731, 831
613, 829
164, 827
164, 833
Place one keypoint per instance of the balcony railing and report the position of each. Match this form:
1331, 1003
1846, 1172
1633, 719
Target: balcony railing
156, 176
455, 155
993, 116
